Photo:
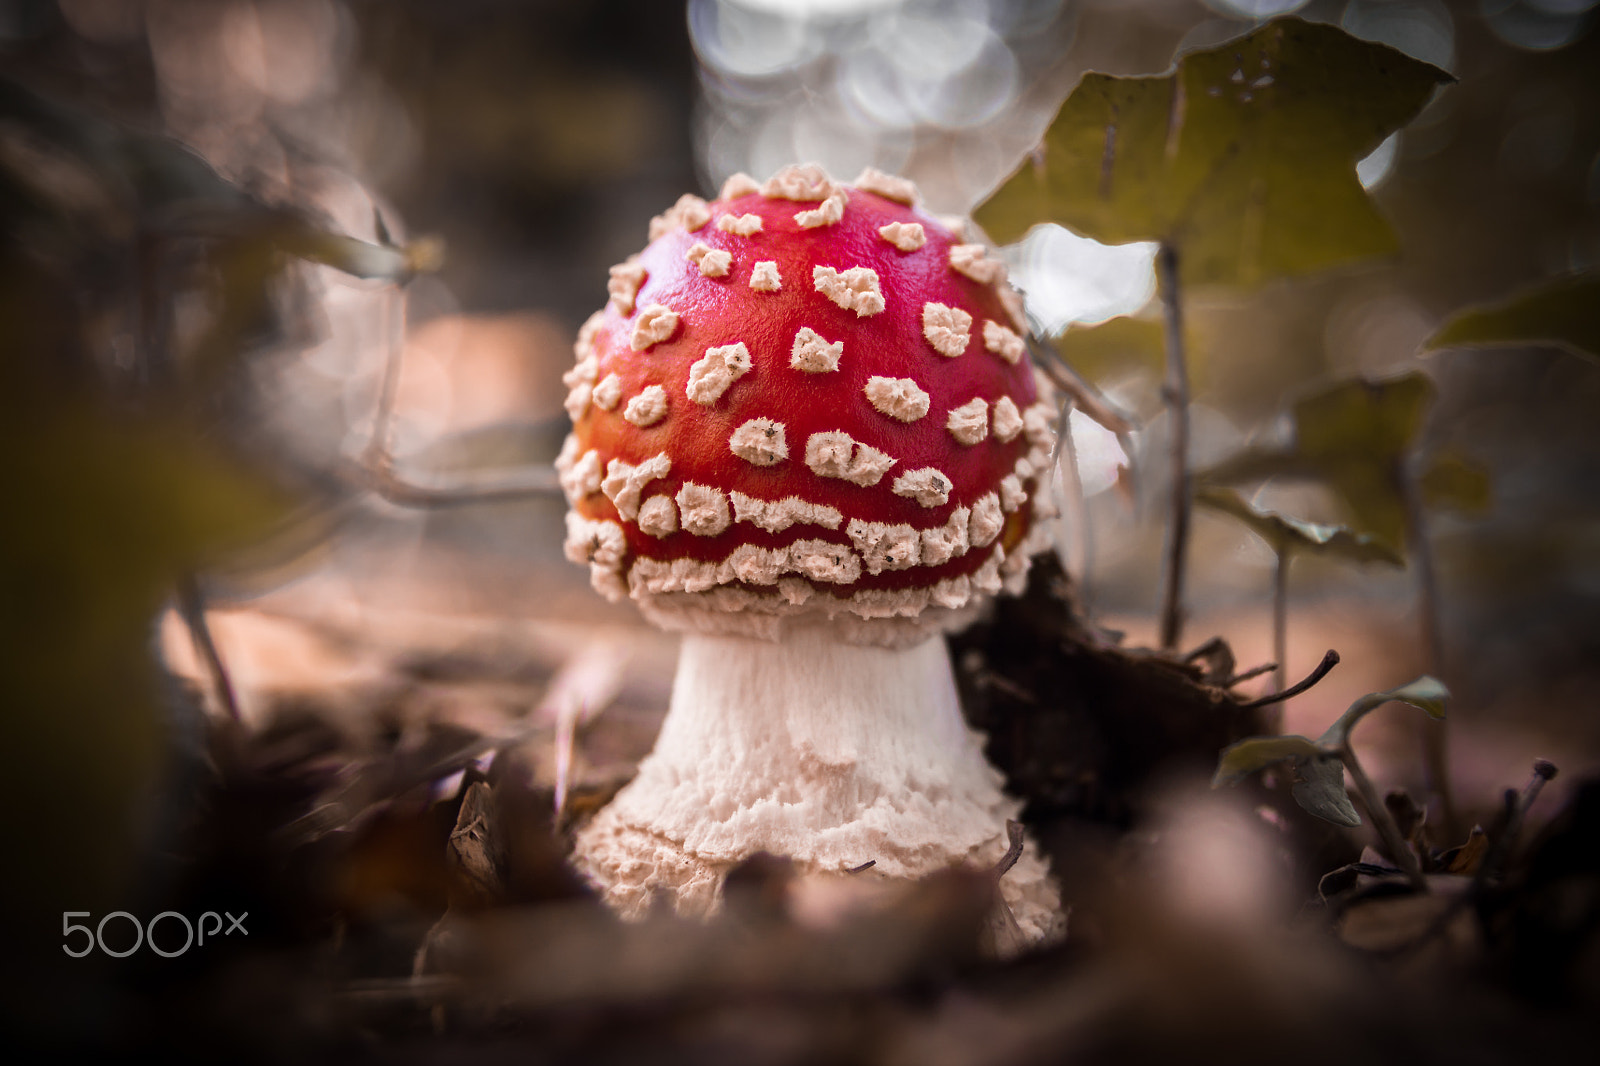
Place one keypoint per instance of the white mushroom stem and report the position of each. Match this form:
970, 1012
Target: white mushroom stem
832, 754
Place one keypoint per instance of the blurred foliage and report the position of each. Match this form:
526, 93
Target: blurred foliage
1563, 312
110, 511
120, 466
1124, 344
1243, 158
1452, 482
1356, 437
1286, 535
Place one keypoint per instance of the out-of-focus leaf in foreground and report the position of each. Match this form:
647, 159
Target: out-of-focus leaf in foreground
116, 479
1564, 313
1354, 437
104, 513
1286, 534
1243, 157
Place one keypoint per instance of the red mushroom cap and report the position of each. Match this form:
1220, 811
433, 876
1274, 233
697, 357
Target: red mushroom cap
805, 398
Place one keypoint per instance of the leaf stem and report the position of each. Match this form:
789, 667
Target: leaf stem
380, 477
1280, 632
1383, 821
375, 470
1176, 394
1082, 530
1489, 866
1014, 835
1329, 661
154, 368
1505, 841
377, 453
192, 609
1082, 394
1433, 736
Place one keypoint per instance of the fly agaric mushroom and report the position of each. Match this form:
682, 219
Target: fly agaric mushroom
807, 435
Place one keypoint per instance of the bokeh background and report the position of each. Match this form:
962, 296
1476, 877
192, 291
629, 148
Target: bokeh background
535, 139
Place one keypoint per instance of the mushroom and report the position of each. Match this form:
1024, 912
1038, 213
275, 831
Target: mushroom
817, 455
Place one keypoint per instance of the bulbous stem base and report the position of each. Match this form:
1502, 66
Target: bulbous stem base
829, 753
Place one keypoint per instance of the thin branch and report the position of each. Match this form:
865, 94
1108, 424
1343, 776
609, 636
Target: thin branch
1329, 661
1280, 631
1515, 811
1434, 736
382, 480
1084, 396
375, 471
154, 367
1176, 394
377, 453
1013, 853
568, 715
1254, 671
1083, 541
1499, 851
1131, 474
1383, 821
192, 609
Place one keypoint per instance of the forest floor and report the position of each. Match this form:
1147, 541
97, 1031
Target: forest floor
385, 810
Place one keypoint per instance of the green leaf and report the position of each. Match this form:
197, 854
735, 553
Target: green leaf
1242, 158
1426, 693
1453, 483
1286, 534
1564, 313
110, 511
1253, 754
1353, 437
1320, 791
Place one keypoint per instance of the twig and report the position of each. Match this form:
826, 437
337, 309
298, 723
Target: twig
566, 735
1204, 650
1517, 811
154, 368
1434, 736
192, 609
1254, 671
382, 480
377, 453
1176, 395
1084, 541
1013, 853
1084, 396
384, 991
1511, 823
1280, 632
1329, 661
1383, 821
375, 470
